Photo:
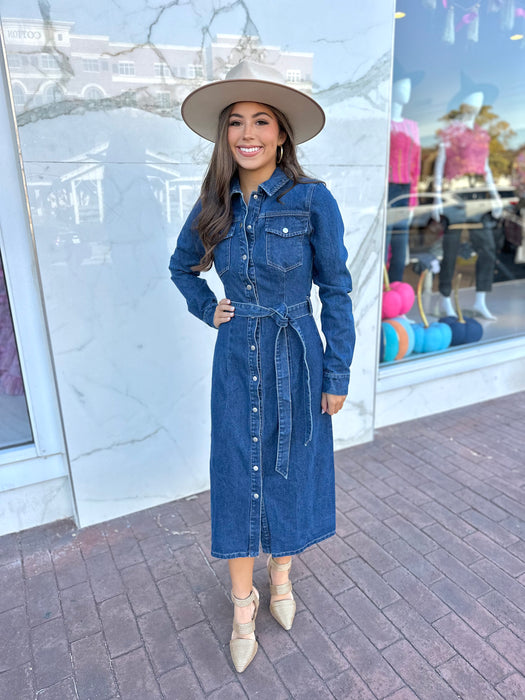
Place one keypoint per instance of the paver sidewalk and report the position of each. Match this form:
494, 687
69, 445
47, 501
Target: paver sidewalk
420, 595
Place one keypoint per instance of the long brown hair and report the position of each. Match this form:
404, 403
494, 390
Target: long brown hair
215, 218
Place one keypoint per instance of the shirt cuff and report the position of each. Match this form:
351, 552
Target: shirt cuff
209, 312
336, 383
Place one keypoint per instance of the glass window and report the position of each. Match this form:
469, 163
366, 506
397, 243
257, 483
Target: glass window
91, 65
15, 61
126, 68
195, 71
15, 427
93, 93
49, 62
456, 185
293, 76
162, 70
53, 93
19, 95
163, 100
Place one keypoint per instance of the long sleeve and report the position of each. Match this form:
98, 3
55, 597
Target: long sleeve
200, 299
333, 279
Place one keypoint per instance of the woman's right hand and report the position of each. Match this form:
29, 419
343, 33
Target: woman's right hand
223, 312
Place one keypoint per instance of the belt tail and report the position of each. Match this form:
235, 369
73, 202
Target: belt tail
284, 402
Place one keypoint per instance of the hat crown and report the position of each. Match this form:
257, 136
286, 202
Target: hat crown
250, 70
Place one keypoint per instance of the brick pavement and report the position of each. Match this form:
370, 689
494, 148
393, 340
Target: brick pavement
420, 595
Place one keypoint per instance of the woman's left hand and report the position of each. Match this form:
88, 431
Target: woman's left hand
331, 403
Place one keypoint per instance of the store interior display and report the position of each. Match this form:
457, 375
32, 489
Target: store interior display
456, 181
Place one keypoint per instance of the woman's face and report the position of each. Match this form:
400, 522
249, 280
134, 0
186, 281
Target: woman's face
253, 137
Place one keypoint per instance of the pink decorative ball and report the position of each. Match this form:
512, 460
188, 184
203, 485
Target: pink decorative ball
406, 293
391, 304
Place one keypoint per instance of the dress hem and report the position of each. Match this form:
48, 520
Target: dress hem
285, 553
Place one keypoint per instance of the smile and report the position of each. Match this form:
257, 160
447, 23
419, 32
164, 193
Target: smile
249, 150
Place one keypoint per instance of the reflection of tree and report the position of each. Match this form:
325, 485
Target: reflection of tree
500, 156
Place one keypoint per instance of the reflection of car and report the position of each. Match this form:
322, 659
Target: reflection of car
479, 202
399, 210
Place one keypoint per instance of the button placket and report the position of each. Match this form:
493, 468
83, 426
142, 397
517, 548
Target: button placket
256, 495
256, 483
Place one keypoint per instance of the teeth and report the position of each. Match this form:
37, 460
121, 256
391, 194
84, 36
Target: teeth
253, 149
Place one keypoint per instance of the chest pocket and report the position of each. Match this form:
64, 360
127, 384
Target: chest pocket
285, 239
222, 253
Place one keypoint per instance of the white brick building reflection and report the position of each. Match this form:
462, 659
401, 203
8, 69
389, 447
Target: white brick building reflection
54, 69
53, 63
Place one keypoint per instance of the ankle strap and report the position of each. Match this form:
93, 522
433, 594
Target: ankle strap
280, 567
243, 602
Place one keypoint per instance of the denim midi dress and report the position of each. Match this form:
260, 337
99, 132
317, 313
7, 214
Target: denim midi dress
271, 463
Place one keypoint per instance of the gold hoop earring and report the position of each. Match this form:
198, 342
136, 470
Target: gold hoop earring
280, 156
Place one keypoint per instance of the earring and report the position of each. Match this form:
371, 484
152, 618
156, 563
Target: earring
280, 156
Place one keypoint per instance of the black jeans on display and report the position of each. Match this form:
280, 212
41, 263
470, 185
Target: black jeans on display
397, 234
483, 242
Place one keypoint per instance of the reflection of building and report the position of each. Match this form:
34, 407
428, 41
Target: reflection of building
49, 65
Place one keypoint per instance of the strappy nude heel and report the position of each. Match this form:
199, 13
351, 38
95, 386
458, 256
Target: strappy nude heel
282, 610
243, 650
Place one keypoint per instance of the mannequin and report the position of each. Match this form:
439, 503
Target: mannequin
463, 150
404, 169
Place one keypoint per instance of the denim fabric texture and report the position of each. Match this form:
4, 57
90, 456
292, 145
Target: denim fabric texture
271, 464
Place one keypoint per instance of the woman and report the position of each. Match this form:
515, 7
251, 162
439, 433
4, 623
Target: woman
270, 231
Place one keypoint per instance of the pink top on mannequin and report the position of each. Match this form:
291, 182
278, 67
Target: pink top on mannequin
467, 149
405, 155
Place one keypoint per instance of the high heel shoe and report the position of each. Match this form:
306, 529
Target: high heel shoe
282, 610
243, 650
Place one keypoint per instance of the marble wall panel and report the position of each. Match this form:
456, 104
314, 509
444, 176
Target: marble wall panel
110, 181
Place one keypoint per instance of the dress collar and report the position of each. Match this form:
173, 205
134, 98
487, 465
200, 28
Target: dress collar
270, 187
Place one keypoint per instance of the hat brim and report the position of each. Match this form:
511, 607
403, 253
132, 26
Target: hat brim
202, 108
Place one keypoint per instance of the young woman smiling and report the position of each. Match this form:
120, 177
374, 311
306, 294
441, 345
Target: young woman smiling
270, 231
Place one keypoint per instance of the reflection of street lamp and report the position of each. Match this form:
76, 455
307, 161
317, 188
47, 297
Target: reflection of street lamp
400, 15
516, 37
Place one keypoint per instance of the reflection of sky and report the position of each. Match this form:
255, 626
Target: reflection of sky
295, 25
494, 59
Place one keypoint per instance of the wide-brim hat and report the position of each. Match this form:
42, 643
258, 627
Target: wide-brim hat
401, 73
252, 82
468, 86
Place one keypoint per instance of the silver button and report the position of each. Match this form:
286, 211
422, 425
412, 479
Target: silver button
255, 439
254, 409
249, 227
255, 468
254, 378
254, 196
252, 347
285, 230
256, 495
248, 286
244, 257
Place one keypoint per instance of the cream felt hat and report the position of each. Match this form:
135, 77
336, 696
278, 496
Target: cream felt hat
252, 82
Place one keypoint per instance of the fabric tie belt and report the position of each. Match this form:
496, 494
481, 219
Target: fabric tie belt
284, 316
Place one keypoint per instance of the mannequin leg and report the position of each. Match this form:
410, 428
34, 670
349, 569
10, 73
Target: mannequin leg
448, 265
480, 306
485, 246
398, 245
397, 229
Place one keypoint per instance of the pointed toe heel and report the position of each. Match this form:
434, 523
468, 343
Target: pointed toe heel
243, 650
282, 610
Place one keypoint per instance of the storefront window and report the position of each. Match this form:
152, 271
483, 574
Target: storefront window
455, 249
15, 428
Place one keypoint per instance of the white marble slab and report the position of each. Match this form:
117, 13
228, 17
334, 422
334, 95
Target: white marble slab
133, 366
